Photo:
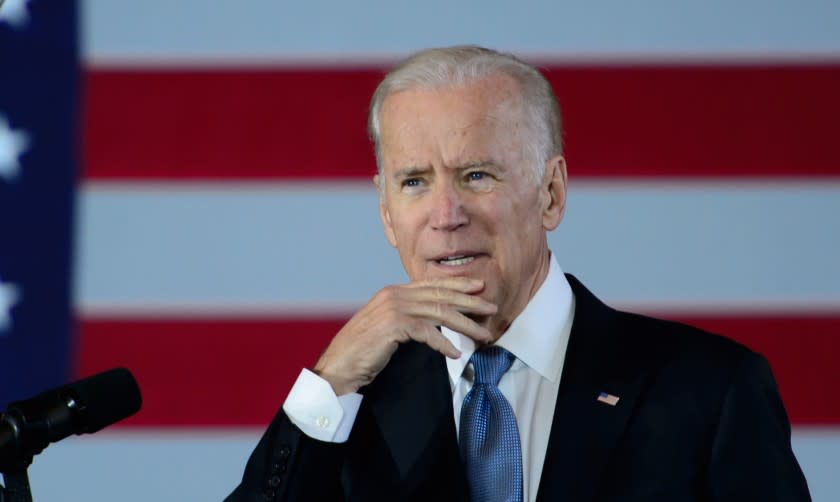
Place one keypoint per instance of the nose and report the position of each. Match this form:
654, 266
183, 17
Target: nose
447, 212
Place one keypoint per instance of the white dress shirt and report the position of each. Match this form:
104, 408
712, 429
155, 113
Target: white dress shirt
538, 338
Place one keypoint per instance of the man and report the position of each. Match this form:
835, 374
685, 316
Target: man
491, 375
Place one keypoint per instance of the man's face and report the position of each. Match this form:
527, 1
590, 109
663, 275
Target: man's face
457, 198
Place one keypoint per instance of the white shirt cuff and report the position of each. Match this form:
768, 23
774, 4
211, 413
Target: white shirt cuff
313, 406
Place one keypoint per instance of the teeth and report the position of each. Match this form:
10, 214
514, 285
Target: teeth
456, 260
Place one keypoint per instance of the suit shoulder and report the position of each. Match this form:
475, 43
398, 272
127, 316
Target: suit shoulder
674, 343
649, 340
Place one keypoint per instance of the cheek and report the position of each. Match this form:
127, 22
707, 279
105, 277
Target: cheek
518, 230
406, 227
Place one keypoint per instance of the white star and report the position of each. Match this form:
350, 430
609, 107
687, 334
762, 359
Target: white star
14, 12
8, 298
12, 144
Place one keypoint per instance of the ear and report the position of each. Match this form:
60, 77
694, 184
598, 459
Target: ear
553, 192
384, 214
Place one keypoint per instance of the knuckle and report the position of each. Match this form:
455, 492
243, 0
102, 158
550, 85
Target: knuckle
420, 331
442, 294
387, 293
401, 335
415, 327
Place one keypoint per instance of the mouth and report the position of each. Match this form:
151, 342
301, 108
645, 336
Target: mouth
457, 260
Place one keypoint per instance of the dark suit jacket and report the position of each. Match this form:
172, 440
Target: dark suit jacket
699, 418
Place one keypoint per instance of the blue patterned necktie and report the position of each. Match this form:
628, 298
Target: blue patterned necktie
489, 437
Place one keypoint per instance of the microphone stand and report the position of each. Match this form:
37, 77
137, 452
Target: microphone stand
13, 466
17, 487
16, 479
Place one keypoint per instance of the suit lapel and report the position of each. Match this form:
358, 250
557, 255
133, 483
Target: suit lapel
413, 409
585, 430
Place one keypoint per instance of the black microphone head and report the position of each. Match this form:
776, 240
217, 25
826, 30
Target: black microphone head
81, 407
104, 398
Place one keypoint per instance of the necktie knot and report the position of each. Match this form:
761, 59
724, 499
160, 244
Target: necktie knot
490, 364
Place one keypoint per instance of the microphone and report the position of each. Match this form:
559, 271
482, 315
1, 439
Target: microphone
82, 407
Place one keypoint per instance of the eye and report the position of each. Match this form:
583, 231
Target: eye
412, 185
477, 176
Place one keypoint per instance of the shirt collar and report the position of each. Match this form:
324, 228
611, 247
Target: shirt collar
537, 337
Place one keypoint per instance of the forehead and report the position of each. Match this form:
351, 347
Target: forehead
478, 113
481, 96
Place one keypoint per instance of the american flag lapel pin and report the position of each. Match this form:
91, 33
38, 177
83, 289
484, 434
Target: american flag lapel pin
608, 399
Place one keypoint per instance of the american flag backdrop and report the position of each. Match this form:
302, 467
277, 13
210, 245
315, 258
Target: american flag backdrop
185, 191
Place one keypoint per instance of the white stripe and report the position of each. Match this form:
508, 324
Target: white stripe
818, 452
286, 248
271, 31
231, 248
205, 465
175, 465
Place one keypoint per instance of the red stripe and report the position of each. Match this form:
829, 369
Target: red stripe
621, 121
206, 373
217, 373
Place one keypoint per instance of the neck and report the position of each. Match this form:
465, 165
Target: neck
500, 323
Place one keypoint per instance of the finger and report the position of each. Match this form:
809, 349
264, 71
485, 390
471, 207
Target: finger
441, 314
462, 301
462, 284
435, 339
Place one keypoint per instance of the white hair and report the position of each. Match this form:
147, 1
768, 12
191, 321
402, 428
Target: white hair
460, 65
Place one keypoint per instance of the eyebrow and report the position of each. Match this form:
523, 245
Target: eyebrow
410, 171
476, 163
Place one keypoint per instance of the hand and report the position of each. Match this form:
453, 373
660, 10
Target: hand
398, 314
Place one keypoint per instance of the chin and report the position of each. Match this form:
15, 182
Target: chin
481, 320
